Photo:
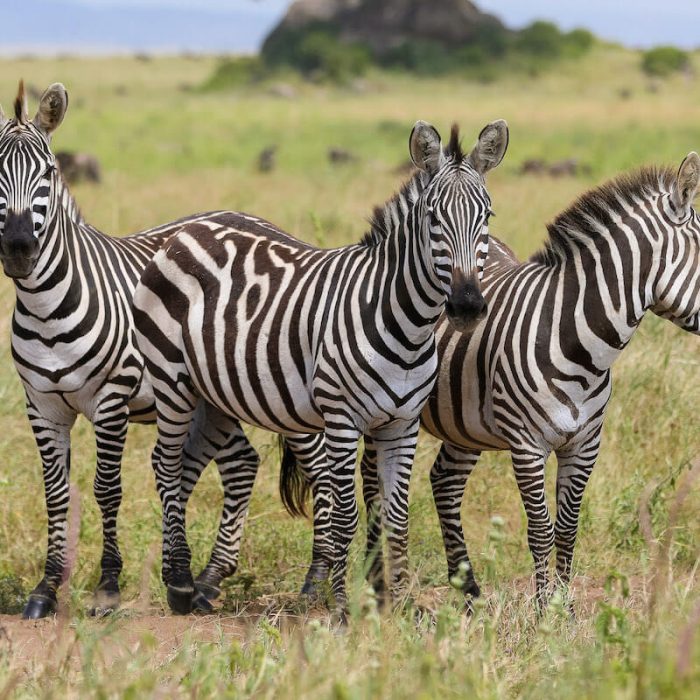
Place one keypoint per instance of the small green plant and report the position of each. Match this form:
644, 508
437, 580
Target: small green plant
12, 595
662, 61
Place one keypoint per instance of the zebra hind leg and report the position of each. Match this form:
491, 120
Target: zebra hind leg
110, 436
448, 478
237, 462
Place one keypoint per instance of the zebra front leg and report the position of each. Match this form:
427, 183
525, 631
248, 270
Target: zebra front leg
528, 464
374, 556
396, 449
110, 436
341, 449
309, 453
53, 441
573, 471
448, 479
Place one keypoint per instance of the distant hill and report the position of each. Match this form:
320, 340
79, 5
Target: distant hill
385, 24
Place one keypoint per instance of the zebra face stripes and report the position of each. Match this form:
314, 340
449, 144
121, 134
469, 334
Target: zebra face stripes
676, 290
455, 209
27, 178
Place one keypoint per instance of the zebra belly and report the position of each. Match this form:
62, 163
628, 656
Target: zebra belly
257, 395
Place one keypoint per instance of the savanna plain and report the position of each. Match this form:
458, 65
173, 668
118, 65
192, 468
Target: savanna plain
168, 148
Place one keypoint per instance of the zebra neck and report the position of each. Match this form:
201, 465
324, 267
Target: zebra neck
603, 291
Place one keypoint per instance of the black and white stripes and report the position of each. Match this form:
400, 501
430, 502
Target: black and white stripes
295, 339
535, 377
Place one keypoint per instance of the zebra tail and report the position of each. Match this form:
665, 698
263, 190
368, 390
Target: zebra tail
294, 489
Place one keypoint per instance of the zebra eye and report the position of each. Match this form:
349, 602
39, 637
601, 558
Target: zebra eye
434, 220
49, 169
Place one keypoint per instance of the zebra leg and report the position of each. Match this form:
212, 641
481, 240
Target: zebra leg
528, 464
53, 441
573, 471
448, 478
237, 462
175, 411
341, 449
374, 556
309, 451
395, 449
110, 436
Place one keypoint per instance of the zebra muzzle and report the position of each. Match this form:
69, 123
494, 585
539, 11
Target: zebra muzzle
19, 247
466, 305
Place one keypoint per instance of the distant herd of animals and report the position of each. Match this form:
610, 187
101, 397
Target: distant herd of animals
222, 318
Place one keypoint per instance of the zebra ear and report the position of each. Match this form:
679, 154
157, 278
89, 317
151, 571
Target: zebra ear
426, 147
52, 108
686, 185
490, 147
3, 118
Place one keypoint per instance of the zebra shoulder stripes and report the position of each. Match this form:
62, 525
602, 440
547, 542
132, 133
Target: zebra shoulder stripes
296, 339
535, 377
73, 347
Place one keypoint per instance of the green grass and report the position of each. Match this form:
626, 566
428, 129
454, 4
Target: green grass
167, 150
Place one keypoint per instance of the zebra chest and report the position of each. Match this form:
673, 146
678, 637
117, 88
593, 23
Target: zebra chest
376, 388
76, 365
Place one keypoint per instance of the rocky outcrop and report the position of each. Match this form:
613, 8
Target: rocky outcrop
385, 24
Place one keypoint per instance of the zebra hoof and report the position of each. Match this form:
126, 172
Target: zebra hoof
180, 599
201, 604
104, 603
309, 590
208, 590
39, 605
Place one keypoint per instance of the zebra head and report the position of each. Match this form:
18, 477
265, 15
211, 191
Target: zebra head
454, 211
676, 292
27, 176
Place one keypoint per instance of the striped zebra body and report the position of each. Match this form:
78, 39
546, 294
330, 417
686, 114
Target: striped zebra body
535, 378
73, 346
298, 340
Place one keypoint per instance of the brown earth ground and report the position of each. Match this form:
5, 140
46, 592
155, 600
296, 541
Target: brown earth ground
36, 646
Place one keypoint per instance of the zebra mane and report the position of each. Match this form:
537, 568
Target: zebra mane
384, 218
597, 204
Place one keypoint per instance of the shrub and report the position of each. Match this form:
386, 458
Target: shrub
234, 72
541, 39
320, 54
663, 60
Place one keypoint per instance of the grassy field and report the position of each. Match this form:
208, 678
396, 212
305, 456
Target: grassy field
167, 150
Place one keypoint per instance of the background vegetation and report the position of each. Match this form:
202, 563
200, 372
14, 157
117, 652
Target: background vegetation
168, 149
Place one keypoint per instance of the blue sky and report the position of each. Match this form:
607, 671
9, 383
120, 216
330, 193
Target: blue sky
240, 25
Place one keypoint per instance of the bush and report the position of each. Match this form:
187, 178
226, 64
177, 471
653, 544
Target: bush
664, 60
541, 39
320, 54
234, 72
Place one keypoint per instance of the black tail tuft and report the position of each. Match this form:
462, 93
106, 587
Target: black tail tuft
293, 486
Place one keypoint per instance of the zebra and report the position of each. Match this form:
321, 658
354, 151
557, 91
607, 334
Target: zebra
283, 335
535, 376
73, 347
